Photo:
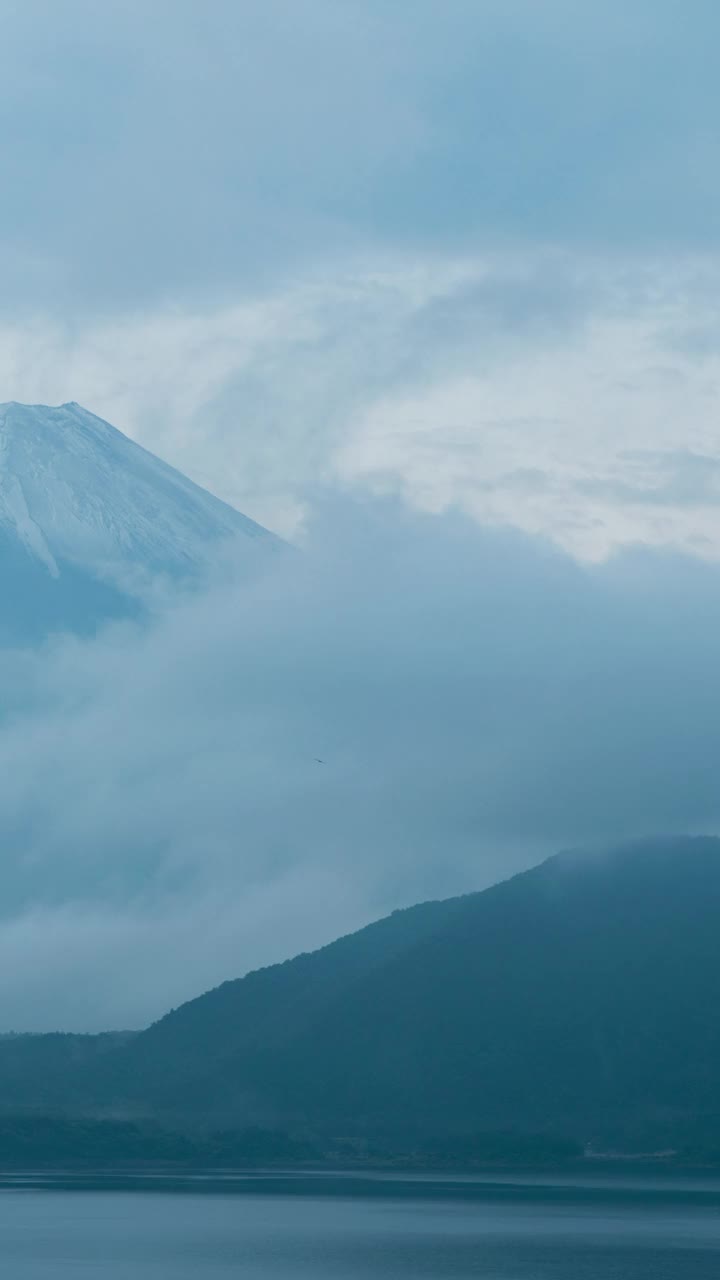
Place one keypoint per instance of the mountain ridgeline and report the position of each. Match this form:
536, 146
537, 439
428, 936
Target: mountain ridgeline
577, 1002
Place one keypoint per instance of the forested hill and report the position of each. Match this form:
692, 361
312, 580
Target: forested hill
580, 999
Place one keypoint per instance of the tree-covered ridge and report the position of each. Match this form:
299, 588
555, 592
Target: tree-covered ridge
574, 1004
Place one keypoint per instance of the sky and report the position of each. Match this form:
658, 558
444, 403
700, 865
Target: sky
432, 290
466, 255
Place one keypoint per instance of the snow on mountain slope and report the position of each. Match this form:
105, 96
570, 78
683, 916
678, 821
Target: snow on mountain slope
75, 491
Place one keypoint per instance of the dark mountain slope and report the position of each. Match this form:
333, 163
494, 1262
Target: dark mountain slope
581, 997
259, 1015
48, 1073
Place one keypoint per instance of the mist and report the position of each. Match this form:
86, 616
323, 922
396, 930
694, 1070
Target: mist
412, 707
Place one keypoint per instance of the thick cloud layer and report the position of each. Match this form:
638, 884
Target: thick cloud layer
177, 150
476, 699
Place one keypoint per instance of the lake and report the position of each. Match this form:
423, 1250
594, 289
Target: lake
349, 1227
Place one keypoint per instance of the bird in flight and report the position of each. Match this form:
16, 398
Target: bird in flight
318, 760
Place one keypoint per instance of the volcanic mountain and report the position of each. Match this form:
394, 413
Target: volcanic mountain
89, 520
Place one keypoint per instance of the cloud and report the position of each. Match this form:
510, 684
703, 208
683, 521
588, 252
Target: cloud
478, 698
176, 156
466, 255
554, 392
457, 268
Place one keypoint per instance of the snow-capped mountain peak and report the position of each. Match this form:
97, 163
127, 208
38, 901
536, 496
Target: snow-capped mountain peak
87, 510
73, 489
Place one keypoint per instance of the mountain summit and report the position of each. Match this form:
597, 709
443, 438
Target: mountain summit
88, 518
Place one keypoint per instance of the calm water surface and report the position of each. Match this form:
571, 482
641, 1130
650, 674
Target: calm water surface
283, 1227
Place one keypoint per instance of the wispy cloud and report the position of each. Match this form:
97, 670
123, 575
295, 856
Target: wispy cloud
550, 391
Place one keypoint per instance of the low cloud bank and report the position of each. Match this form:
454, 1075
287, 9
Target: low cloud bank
413, 707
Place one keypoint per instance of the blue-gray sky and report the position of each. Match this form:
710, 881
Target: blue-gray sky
433, 288
175, 151
466, 253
